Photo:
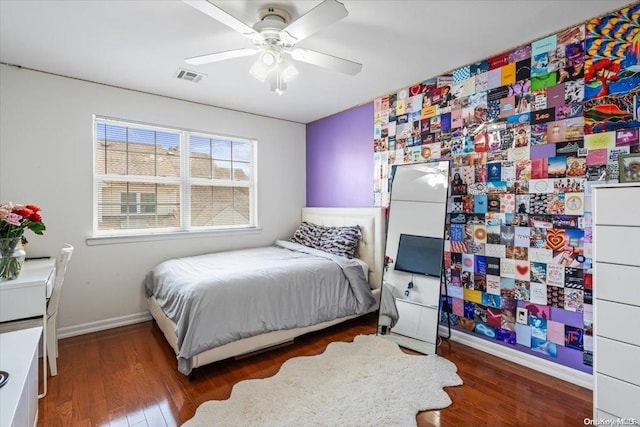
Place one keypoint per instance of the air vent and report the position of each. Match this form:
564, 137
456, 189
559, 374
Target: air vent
190, 76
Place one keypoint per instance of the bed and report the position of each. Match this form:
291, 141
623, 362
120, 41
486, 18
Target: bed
255, 328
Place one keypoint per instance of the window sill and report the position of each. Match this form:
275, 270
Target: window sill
112, 240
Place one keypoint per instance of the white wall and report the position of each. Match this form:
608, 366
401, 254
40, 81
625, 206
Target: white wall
46, 159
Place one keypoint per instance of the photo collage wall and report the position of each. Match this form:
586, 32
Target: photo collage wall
527, 132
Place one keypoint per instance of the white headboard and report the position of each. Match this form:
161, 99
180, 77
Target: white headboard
371, 222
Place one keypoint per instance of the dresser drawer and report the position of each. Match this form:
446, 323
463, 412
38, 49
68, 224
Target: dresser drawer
617, 205
20, 303
619, 283
617, 397
619, 245
618, 360
620, 322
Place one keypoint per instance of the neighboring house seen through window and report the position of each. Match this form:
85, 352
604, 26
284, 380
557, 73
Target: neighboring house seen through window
151, 179
137, 203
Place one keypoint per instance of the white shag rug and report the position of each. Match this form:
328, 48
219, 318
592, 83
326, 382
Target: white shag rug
369, 382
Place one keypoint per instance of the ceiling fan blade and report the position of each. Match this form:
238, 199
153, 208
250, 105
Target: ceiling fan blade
324, 14
220, 15
326, 61
220, 56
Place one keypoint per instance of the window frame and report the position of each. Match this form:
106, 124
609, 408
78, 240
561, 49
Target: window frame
184, 182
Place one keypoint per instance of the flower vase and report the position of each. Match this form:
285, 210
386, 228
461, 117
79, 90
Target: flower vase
11, 258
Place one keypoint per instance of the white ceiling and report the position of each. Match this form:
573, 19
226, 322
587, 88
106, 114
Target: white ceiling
139, 44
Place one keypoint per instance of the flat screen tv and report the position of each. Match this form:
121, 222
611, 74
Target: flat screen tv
420, 255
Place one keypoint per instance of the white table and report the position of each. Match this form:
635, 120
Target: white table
18, 397
26, 297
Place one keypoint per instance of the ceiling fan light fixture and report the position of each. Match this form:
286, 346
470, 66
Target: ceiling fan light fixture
269, 58
259, 71
268, 62
287, 71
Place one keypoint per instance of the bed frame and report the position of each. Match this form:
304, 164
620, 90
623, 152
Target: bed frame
370, 250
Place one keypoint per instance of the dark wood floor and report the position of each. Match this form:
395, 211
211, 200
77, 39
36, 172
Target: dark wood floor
128, 377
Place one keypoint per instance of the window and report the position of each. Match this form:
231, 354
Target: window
151, 179
132, 203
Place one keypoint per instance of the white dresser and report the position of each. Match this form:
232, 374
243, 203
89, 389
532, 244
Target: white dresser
616, 299
19, 396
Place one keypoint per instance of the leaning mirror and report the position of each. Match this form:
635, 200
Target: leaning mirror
410, 298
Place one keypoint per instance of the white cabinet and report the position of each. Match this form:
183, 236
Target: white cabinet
19, 396
616, 299
416, 320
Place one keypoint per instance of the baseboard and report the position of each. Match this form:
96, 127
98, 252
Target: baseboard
556, 370
101, 325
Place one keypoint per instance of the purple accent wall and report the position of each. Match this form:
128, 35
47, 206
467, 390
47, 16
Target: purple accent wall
340, 159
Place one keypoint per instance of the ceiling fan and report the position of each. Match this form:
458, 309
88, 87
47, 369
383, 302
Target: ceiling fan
275, 37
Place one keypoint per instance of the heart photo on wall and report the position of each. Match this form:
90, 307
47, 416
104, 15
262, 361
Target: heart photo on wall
555, 239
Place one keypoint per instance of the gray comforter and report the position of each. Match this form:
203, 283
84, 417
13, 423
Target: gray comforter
222, 297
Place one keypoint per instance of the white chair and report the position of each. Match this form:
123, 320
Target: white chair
52, 312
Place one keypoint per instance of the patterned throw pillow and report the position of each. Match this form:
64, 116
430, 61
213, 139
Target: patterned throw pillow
341, 241
308, 235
